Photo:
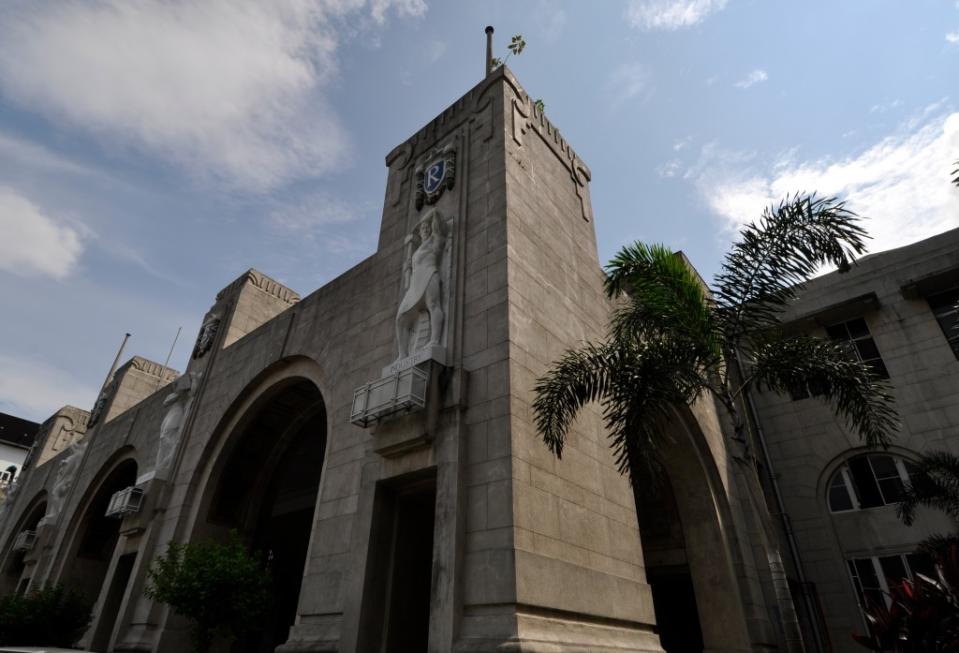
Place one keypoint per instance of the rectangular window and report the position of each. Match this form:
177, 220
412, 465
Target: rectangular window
943, 307
856, 333
865, 483
888, 478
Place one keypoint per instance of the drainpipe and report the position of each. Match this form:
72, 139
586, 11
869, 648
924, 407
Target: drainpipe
791, 542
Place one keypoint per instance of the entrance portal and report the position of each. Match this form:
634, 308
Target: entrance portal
667, 569
97, 536
266, 488
396, 610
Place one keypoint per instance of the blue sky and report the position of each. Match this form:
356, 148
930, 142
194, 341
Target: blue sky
150, 151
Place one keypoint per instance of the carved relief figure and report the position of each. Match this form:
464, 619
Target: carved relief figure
204, 339
423, 283
177, 404
9, 496
101, 403
65, 475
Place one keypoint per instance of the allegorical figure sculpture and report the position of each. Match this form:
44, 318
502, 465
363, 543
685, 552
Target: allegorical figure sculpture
65, 475
177, 404
204, 339
422, 280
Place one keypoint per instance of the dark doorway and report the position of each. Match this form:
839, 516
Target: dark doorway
268, 478
111, 603
10, 580
667, 570
396, 611
97, 537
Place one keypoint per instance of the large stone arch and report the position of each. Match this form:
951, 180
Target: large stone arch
12, 564
274, 436
694, 487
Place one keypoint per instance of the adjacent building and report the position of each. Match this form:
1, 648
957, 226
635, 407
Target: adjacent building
898, 311
17, 436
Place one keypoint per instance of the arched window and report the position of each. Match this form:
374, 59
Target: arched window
868, 481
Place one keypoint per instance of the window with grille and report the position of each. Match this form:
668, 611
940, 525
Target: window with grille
944, 307
856, 333
867, 481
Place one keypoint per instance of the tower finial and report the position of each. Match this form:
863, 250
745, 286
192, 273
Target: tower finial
489, 49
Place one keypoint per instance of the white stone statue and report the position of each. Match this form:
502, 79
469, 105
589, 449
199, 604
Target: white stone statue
65, 475
177, 405
423, 283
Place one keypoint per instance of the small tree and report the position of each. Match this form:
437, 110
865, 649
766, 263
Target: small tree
52, 616
221, 588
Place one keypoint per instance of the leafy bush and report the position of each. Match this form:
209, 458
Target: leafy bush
220, 587
53, 616
924, 615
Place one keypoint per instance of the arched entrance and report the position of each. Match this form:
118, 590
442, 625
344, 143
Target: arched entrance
688, 562
264, 484
14, 562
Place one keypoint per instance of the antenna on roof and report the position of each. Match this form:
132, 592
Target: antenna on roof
489, 49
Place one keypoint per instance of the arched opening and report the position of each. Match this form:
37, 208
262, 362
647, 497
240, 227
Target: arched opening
687, 558
11, 580
264, 484
97, 535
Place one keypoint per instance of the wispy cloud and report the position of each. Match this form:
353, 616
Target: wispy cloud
33, 243
952, 37
308, 216
629, 81
233, 90
34, 390
901, 184
757, 76
670, 14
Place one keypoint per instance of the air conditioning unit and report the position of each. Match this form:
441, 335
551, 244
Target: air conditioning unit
125, 502
402, 391
25, 541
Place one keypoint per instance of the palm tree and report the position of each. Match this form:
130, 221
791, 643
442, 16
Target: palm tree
934, 483
671, 339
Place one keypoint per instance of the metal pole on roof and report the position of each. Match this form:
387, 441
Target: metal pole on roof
116, 361
489, 49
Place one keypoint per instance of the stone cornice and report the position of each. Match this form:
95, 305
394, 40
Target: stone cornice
262, 282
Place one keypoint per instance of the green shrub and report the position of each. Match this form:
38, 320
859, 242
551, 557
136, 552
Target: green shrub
53, 616
221, 588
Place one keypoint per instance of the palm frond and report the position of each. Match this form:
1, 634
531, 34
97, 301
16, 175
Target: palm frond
637, 384
934, 483
956, 173
664, 299
774, 258
579, 377
829, 370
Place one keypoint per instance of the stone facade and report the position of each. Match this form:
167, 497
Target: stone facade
891, 292
494, 544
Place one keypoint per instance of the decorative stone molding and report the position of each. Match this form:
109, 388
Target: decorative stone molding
434, 176
259, 280
177, 404
207, 336
66, 473
153, 369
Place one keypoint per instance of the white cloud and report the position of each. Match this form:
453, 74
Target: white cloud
900, 184
306, 217
33, 390
34, 244
628, 81
757, 76
670, 14
233, 90
952, 37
